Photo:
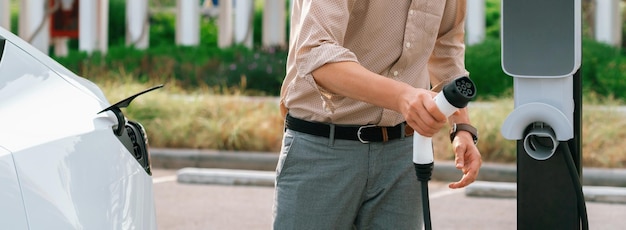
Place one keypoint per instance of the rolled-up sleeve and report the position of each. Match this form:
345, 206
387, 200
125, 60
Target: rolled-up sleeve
321, 34
447, 61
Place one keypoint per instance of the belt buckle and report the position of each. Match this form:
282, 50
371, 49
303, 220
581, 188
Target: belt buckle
358, 133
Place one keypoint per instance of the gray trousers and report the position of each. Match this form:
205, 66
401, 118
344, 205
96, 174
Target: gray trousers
324, 184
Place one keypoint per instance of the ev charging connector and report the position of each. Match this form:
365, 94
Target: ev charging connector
454, 95
541, 50
540, 142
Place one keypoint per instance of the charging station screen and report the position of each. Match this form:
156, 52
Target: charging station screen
539, 37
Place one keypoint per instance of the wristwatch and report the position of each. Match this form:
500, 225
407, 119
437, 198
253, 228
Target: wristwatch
464, 127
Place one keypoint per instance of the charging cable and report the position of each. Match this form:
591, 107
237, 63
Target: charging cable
582, 207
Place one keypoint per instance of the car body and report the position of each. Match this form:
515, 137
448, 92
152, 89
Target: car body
62, 165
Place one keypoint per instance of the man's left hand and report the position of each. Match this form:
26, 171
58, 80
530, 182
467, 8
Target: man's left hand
467, 159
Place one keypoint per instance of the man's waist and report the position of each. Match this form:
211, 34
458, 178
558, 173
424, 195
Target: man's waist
362, 133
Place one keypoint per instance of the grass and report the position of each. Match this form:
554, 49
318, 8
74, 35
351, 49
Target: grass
202, 119
603, 137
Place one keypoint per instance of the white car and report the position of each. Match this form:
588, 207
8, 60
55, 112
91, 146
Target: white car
68, 159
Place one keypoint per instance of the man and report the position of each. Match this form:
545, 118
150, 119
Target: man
359, 77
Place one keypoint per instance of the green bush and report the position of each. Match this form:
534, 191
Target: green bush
261, 71
117, 22
483, 62
492, 18
257, 72
603, 69
162, 29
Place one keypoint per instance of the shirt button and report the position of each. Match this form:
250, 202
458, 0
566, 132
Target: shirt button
408, 45
395, 73
411, 12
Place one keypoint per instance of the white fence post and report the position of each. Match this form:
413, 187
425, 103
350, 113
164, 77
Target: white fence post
475, 22
103, 26
608, 23
33, 24
274, 22
87, 35
137, 23
188, 22
225, 23
244, 15
93, 27
5, 14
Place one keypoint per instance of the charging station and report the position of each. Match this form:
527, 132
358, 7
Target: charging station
541, 50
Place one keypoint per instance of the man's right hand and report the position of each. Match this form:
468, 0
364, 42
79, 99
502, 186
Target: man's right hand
421, 112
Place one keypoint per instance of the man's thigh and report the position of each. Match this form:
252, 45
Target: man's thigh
319, 183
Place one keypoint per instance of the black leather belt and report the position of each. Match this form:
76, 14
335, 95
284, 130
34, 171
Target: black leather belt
364, 134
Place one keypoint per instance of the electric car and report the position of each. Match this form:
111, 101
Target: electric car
68, 159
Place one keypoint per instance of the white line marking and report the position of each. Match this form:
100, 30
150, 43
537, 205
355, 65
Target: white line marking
445, 193
163, 179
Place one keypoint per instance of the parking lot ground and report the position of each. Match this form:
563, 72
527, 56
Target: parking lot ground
203, 206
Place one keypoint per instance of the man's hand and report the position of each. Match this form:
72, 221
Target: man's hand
421, 112
467, 159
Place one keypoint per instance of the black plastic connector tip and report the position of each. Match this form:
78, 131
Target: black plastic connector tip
460, 92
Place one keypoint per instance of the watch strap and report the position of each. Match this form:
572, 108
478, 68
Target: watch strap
464, 127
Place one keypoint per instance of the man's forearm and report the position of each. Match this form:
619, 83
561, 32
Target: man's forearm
352, 80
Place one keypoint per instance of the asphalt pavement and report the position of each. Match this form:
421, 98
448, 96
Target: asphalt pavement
218, 206
204, 189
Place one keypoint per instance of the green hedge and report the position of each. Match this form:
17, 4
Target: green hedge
603, 70
258, 72
483, 62
261, 71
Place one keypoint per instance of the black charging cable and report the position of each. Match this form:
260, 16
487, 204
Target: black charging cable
582, 207
424, 173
